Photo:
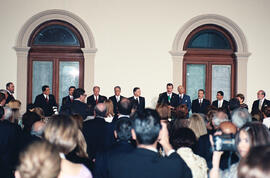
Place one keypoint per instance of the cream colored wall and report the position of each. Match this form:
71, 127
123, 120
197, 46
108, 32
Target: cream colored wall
133, 38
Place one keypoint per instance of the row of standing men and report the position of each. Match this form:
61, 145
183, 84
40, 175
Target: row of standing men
47, 101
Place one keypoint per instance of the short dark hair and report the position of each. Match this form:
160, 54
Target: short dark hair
71, 87
135, 89
267, 111
2, 97
117, 87
201, 90
28, 119
78, 92
147, 127
221, 93
8, 84
169, 84
125, 107
240, 95
234, 103
183, 137
256, 163
2, 112
44, 87
263, 92
123, 129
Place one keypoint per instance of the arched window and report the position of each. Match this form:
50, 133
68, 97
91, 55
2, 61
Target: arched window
55, 59
209, 62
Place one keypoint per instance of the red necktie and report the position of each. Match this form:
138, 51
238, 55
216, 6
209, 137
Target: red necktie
47, 100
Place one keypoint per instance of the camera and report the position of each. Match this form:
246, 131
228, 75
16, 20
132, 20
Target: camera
224, 142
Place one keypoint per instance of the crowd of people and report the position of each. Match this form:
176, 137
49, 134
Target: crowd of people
117, 137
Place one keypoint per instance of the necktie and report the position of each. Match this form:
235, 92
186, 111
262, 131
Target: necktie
71, 99
96, 100
200, 101
260, 105
137, 100
47, 100
169, 98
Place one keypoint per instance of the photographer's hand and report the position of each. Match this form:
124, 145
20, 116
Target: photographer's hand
164, 139
214, 172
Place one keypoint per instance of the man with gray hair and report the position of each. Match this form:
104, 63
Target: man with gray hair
218, 118
96, 98
240, 116
260, 103
96, 131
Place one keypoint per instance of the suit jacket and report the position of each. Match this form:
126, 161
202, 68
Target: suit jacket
92, 102
138, 106
115, 103
255, 105
197, 108
225, 105
9, 98
103, 158
96, 133
145, 163
163, 99
65, 101
77, 107
185, 100
40, 101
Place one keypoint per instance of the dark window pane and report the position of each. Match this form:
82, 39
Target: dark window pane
209, 39
56, 35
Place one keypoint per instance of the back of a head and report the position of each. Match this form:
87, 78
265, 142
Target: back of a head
181, 111
218, 118
164, 111
39, 160
197, 125
123, 129
234, 103
2, 97
100, 110
14, 104
267, 111
38, 128
147, 127
78, 92
28, 119
125, 107
240, 116
62, 131
228, 127
256, 164
183, 137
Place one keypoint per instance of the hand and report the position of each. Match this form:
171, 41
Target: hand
164, 138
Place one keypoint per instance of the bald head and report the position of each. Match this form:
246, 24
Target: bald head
181, 89
38, 128
100, 110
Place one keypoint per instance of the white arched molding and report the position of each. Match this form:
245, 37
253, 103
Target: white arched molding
242, 53
22, 49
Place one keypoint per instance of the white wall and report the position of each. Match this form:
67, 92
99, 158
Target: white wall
133, 38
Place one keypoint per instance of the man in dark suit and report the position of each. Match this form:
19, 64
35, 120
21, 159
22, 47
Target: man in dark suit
78, 106
10, 91
145, 161
116, 99
261, 103
68, 99
96, 98
200, 105
96, 132
137, 102
168, 97
46, 101
123, 144
183, 98
220, 102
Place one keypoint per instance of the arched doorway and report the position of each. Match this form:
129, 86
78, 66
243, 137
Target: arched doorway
22, 48
209, 62
241, 53
55, 59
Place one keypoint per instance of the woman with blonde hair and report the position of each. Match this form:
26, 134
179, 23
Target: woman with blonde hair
15, 106
41, 159
110, 115
197, 125
63, 132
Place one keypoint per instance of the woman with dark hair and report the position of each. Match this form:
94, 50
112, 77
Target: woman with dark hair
184, 141
256, 164
250, 135
241, 99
